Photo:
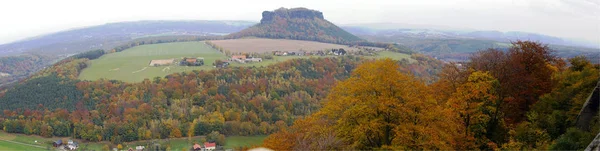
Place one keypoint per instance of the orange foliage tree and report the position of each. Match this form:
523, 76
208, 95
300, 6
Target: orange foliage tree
378, 107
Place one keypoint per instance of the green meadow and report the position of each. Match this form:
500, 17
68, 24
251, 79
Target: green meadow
132, 65
393, 56
18, 142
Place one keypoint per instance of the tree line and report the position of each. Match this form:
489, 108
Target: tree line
525, 98
230, 101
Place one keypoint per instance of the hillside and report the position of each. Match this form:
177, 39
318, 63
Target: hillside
110, 35
297, 24
261, 45
433, 31
131, 65
23, 58
454, 46
234, 101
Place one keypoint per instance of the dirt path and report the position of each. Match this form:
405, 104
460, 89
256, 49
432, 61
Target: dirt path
23, 144
166, 69
140, 70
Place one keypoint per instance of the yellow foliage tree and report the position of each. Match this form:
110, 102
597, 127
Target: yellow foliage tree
475, 102
378, 107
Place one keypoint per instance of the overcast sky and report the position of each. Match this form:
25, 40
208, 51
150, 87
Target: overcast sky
575, 19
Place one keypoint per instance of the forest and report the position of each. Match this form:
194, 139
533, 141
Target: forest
231, 101
525, 98
522, 98
21, 66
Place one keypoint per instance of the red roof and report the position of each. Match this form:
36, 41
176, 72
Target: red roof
196, 146
207, 144
239, 57
191, 60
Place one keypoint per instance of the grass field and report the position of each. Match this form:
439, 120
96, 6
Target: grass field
261, 45
22, 142
240, 141
266, 62
132, 65
8, 146
393, 55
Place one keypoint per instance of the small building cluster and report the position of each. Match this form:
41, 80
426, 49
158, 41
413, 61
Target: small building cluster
296, 53
244, 59
336, 52
70, 145
206, 147
221, 64
137, 148
199, 61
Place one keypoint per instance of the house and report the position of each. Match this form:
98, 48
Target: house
278, 53
254, 60
338, 52
320, 53
71, 145
57, 143
301, 53
221, 64
192, 61
260, 149
239, 57
196, 147
210, 146
130, 149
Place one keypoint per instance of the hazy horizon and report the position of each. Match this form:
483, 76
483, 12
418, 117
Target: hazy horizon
570, 19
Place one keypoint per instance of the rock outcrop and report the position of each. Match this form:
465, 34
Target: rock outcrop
589, 109
297, 24
268, 16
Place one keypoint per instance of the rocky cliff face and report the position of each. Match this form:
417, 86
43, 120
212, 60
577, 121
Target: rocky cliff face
298, 24
304, 13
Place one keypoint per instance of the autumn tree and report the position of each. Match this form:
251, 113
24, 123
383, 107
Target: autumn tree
378, 107
556, 113
451, 77
475, 102
524, 73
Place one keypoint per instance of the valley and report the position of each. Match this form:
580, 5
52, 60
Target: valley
295, 81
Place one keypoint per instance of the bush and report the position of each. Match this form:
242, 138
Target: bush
573, 139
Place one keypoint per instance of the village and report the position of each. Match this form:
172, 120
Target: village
254, 57
185, 61
69, 145
62, 145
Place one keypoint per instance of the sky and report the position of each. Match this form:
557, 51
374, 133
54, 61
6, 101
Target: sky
573, 19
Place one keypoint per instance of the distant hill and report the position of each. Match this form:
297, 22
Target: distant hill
298, 24
21, 59
110, 35
450, 47
431, 31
